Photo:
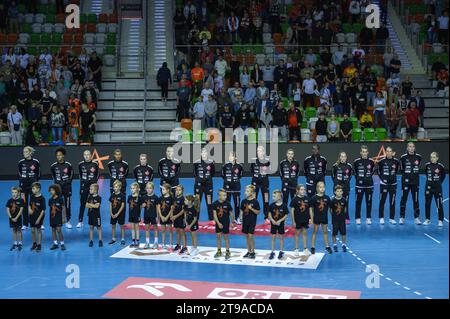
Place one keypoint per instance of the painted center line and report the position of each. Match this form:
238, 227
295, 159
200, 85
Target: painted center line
432, 238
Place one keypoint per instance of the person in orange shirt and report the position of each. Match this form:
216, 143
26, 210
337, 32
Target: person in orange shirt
73, 113
350, 71
197, 75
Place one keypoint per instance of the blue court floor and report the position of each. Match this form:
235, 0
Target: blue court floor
413, 260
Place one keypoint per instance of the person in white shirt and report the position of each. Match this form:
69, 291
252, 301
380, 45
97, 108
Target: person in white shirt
338, 56
207, 91
311, 58
221, 66
211, 111
380, 105
198, 112
9, 56
14, 119
23, 57
309, 87
46, 57
443, 27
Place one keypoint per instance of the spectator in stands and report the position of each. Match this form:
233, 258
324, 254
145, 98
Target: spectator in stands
244, 28
297, 94
13, 16
226, 119
333, 129
244, 77
420, 103
406, 87
198, 112
412, 115
395, 65
268, 74
393, 116
354, 9
63, 93
221, 66
366, 120
184, 94
3, 96
311, 58
321, 129
387, 58
379, 109
294, 119
210, 111
346, 128
15, 123
279, 119
443, 27
257, 74
164, 79
95, 69
31, 73
233, 27
359, 100
4, 127
57, 123
309, 87
365, 38
250, 94
87, 120
281, 77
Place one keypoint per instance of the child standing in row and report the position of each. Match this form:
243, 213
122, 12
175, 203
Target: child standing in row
338, 209
134, 214
319, 210
117, 212
249, 212
178, 220
278, 213
150, 202
57, 215
222, 212
14, 209
192, 210
37, 212
93, 205
165, 210
301, 217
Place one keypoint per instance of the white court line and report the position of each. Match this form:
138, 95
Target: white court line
397, 283
407, 288
432, 238
417, 293
446, 219
388, 278
445, 200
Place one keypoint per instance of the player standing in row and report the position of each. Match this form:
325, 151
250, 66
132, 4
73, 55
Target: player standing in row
118, 171
14, 210
117, 203
36, 209
88, 173
410, 169
169, 169
278, 213
62, 173
300, 217
260, 170
364, 167
232, 174
150, 202
143, 173
318, 206
93, 205
342, 174
222, 212
339, 211
314, 168
435, 176
204, 171
29, 173
289, 169
388, 168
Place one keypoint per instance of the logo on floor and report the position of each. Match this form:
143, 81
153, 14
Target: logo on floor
158, 288
206, 255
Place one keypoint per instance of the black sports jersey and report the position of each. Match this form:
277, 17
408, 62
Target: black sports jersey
204, 171
259, 169
435, 174
89, 172
37, 204
278, 211
301, 208
116, 201
14, 206
342, 174
314, 168
134, 205
143, 174
169, 170
29, 172
62, 174
94, 199
166, 204
55, 206
150, 202
410, 166
178, 205
223, 211
338, 210
249, 217
320, 205
364, 169
232, 173
191, 213
118, 171
387, 170
289, 170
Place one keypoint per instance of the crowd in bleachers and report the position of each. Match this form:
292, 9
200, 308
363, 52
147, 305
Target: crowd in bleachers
50, 76
309, 65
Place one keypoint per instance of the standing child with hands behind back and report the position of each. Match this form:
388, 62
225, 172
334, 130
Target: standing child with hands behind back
192, 212
249, 212
93, 205
14, 210
37, 211
165, 210
278, 213
117, 212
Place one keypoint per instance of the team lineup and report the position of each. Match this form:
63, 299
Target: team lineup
307, 205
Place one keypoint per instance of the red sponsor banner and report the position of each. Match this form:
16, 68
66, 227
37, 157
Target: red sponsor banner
206, 228
157, 288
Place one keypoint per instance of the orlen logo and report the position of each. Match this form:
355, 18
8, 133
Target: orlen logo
73, 19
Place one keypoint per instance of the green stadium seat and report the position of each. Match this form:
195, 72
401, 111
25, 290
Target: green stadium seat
51, 9
110, 50
32, 50
285, 102
357, 27
35, 38
45, 39
381, 133
369, 135
187, 137
25, 28
304, 124
57, 39
22, 8
50, 18
354, 122
284, 27
92, 18
258, 49
310, 112
111, 39
42, 8
54, 50
356, 135
346, 28
83, 18
252, 136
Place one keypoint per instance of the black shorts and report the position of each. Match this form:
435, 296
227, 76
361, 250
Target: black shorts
119, 220
262, 184
340, 228
232, 187
167, 222
301, 224
203, 188
320, 220
33, 219
288, 186
179, 223
56, 221
248, 228
194, 227
225, 228
94, 220
17, 224
277, 229
134, 218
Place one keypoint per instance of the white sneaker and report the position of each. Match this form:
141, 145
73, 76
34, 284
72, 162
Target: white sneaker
79, 225
401, 221
440, 223
155, 246
296, 253
358, 221
42, 227
392, 221
381, 221
417, 221
426, 222
194, 252
24, 227
368, 221
306, 252
68, 225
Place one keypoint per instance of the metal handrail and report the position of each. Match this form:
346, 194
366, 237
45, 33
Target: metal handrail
145, 65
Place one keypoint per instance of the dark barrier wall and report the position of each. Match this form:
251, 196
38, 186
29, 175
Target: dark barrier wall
9, 156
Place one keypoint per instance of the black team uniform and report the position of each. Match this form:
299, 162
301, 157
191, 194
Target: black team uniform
338, 210
116, 201
410, 166
387, 172
169, 171
223, 211
204, 172
435, 175
37, 205
260, 179
231, 174
301, 211
248, 217
89, 172
289, 171
29, 172
150, 215
62, 174
278, 212
314, 168
342, 174
94, 216
143, 174
118, 171
364, 169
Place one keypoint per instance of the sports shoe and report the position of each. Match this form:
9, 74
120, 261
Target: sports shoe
183, 250
147, 246
112, 242
401, 221
247, 255
63, 247
13, 247
368, 221
42, 227
427, 222
100, 243
122, 242
313, 250
155, 246
24, 227
227, 255
440, 223
91, 243
33, 247
335, 248
344, 248
306, 252
79, 225
252, 256
272, 255
54, 246
176, 248
218, 254
19, 247
296, 253
358, 221
381, 221
392, 222
328, 249
417, 221
68, 225
280, 255
38, 248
